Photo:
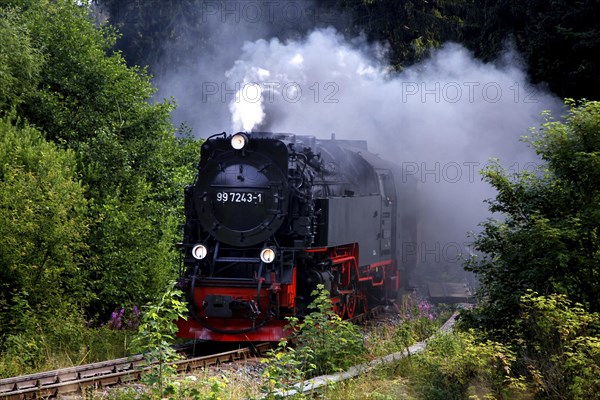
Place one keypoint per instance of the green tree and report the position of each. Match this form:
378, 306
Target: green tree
547, 240
557, 39
132, 165
409, 28
148, 26
19, 61
43, 226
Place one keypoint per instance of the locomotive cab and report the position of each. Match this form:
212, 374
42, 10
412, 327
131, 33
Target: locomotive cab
240, 197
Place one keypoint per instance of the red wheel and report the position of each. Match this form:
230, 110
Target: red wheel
352, 298
350, 306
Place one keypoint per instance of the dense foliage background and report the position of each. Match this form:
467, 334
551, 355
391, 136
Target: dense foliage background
91, 173
557, 39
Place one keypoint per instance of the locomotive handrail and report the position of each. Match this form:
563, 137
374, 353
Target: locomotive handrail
254, 187
224, 134
237, 259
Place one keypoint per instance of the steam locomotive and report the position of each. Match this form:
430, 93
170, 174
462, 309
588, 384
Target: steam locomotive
271, 216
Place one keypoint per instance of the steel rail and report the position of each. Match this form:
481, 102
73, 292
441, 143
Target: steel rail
108, 373
72, 380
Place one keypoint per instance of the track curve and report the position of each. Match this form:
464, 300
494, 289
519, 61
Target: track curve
108, 373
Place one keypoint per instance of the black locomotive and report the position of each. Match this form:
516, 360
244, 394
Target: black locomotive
271, 216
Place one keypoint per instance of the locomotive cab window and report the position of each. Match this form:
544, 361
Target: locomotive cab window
386, 186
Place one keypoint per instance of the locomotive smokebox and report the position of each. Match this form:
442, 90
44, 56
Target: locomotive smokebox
241, 195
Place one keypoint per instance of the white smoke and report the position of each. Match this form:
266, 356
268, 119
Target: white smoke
442, 119
246, 108
451, 105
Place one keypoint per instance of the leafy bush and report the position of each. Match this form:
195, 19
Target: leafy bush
458, 365
324, 343
156, 334
560, 346
193, 388
557, 347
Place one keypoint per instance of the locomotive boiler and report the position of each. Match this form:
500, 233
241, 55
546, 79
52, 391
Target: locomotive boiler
271, 216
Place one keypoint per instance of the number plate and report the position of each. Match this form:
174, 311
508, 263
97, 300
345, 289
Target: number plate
240, 197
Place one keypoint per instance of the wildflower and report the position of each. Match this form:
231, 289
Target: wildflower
134, 320
115, 319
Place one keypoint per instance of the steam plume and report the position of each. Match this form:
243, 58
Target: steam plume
441, 119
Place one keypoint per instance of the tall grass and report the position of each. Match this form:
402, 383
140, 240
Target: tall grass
45, 341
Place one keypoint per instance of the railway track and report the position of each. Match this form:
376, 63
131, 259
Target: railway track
73, 380
52, 384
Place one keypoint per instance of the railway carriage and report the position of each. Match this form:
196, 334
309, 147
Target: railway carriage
271, 216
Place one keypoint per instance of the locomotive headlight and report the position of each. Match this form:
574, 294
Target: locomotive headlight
267, 255
238, 141
199, 251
